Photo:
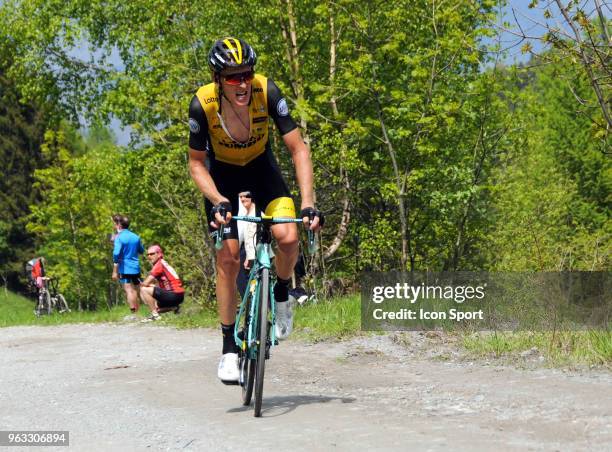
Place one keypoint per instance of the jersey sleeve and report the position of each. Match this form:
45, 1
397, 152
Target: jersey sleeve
199, 139
279, 110
157, 270
116, 250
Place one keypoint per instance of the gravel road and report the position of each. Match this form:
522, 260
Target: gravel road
148, 387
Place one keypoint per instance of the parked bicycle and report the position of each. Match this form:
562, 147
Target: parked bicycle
49, 299
254, 331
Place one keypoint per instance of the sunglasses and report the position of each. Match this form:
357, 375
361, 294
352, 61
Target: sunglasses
237, 79
151, 254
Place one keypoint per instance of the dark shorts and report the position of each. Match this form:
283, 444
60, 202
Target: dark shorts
262, 177
125, 278
167, 299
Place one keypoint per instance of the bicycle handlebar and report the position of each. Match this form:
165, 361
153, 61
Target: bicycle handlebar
312, 246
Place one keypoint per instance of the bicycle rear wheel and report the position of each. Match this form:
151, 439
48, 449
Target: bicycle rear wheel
247, 365
263, 339
62, 304
247, 371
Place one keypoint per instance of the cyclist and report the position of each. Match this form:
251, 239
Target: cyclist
229, 152
36, 268
126, 266
169, 294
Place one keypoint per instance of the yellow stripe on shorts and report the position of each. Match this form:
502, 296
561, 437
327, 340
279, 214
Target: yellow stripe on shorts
281, 207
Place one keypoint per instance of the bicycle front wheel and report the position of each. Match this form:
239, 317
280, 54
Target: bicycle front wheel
263, 338
44, 303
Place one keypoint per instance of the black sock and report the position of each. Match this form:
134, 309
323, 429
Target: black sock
229, 343
281, 290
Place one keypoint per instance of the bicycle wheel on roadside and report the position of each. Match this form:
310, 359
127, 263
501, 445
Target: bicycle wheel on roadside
44, 303
263, 339
62, 304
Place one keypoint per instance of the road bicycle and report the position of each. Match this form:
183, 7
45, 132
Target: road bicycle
50, 299
254, 331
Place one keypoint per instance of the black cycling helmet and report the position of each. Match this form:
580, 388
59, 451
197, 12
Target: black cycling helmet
230, 53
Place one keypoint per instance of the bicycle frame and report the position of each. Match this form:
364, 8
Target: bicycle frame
262, 260
257, 326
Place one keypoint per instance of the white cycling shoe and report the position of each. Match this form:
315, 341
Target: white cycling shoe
228, 371
284, 320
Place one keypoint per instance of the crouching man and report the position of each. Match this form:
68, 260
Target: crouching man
162, 290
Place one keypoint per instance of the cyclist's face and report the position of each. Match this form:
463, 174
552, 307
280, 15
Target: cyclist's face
152, 257
237, 88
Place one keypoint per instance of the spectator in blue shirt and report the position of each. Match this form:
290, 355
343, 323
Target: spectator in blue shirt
126, 266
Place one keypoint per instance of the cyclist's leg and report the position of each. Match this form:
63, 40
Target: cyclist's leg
286, 236
146, 294
228, 264
229, 180
131, 292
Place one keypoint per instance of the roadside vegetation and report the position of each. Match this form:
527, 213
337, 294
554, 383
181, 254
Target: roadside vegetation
430, 150
340, 319
558, 348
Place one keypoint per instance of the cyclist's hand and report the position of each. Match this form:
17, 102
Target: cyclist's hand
313, 218
222, 213
115, 276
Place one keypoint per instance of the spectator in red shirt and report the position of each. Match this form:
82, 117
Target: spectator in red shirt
162, 290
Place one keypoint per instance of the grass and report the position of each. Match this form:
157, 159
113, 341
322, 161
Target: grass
18, 310
341, 318
560, 348
333, 319
324, 320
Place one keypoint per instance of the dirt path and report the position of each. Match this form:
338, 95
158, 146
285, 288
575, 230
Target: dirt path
145, 387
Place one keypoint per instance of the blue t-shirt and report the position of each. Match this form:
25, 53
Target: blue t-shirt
127, 248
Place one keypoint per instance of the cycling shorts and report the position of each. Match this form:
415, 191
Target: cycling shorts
167, 299
125, 278
262, 177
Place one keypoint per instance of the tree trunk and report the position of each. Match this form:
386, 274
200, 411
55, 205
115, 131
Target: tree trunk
346, 212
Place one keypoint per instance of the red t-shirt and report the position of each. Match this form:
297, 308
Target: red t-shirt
167, 277
37, 270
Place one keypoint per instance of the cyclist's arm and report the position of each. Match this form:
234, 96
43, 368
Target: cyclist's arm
303, 165
300, 154
199, 146
116, 255
202, 178
149, 281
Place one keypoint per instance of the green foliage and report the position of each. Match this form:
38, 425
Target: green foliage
81, 192
430, 160
553, 187
21, 128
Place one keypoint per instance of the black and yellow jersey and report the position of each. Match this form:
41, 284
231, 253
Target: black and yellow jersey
207, 132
